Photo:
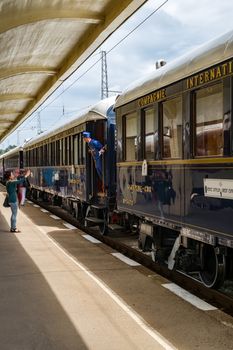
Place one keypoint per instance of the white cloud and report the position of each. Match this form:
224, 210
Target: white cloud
199, 12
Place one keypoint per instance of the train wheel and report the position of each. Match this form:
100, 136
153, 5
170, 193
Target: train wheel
103, 228
213, 267
133, 223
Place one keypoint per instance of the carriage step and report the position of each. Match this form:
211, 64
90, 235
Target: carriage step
98, 206
115, 227
94, 220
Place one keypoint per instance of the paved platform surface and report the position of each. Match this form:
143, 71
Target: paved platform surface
60, 290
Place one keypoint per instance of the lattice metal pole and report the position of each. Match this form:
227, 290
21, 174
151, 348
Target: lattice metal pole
104, 76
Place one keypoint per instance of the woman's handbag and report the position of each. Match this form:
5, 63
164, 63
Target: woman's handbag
6, 202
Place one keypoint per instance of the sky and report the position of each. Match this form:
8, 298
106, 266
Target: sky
176, 28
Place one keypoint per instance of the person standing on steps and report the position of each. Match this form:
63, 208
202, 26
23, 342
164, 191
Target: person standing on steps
97, 150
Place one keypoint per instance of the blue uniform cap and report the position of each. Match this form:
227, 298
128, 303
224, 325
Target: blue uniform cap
86, 134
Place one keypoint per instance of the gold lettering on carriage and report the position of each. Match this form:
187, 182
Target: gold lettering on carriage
128, 201
211, 74
151, 98
140, 189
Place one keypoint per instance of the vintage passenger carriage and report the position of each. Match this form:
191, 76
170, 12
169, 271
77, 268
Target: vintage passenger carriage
62, 169
175, 164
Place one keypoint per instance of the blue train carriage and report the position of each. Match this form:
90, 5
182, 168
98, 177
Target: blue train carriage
63, 170
175, 164
11, 161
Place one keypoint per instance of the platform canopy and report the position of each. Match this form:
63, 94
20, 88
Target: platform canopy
42, 42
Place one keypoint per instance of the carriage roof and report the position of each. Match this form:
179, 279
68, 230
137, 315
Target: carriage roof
92, 113
206, 55
11, 152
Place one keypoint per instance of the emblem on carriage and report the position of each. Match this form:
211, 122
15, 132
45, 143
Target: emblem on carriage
144, 168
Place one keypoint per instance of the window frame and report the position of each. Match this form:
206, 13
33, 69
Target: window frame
161, 129
155, 109
124, 118
194, 118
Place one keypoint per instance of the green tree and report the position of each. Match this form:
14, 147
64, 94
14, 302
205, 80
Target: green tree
7, 149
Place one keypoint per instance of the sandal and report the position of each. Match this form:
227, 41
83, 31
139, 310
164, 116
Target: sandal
15, 230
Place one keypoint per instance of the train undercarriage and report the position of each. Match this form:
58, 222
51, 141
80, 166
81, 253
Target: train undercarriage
209, 262
205, 260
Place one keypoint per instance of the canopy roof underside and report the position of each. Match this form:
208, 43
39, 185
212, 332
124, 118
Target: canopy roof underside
42, 42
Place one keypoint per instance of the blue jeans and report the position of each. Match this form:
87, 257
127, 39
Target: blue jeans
14, 210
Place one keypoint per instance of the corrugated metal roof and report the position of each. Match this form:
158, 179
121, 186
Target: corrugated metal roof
42, 42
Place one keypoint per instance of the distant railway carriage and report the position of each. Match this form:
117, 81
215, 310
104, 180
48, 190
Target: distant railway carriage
11, 161
63, 169
175, 164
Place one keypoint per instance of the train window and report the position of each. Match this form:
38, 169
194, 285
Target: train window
45, 154
83, 148
60, 151
80, 149
40, 156
31, 153
76, 150
57, 153
36, 156
67, 150
151, 133
49, 153
172, 128
63, 152
131, 136
209, 121
53, 153
71, 151
66, 143
26, 159
30, 158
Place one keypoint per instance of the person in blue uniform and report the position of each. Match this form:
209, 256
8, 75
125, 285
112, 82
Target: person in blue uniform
96, 149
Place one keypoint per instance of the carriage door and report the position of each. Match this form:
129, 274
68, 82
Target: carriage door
97, 183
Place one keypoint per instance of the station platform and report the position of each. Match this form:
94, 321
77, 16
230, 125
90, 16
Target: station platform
61, 289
